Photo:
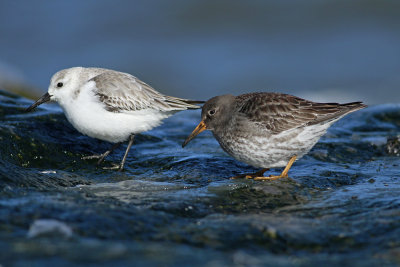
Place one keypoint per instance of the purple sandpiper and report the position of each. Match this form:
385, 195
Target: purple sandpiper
268, 130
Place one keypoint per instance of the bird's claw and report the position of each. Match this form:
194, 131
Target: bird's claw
114, 167
92, 157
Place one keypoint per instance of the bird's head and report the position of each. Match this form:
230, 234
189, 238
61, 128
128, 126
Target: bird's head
63, 85
215, 113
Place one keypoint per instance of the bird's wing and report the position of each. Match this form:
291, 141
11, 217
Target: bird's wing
122, 92
280, 112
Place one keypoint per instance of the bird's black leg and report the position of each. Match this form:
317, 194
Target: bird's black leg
120, 167
105, 154
126, 152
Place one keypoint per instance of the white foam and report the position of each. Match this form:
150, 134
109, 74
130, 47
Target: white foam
43, 227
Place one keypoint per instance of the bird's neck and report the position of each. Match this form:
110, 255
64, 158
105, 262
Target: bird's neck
228, 123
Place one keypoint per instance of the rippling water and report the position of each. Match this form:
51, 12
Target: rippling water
176, 207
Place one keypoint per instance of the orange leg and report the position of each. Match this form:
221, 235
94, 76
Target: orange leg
259, 175
284, 173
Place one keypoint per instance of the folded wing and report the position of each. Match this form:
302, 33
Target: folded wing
122, 92
280, 112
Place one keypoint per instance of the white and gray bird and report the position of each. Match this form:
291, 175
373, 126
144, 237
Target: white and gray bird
110, 105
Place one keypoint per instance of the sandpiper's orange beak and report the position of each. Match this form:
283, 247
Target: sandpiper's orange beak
201, 127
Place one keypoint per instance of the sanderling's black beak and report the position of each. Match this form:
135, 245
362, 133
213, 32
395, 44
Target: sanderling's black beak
46, 97
201, 127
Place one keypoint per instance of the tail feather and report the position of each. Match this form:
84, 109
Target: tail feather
194, 101
335, 111
353, 106
182, 104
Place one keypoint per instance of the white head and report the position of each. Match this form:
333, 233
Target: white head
66, 84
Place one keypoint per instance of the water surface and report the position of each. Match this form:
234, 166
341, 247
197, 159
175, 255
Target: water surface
176, 207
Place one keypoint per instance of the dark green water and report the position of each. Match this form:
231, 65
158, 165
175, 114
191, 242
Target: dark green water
176, 207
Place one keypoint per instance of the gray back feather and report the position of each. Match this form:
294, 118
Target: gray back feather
123, 92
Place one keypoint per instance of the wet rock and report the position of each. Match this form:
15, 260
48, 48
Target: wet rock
392, 146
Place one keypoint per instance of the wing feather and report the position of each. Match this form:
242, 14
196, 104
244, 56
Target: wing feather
281, 112
122, 92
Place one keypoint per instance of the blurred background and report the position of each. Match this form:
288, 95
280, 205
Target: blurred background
322, 50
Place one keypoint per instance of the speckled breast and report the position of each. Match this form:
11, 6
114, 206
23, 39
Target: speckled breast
260, 148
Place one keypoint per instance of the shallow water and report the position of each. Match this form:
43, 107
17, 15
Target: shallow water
176, 207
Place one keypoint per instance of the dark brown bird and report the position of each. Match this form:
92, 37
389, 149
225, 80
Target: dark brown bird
268, 130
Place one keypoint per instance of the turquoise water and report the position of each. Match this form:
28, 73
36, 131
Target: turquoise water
176, 207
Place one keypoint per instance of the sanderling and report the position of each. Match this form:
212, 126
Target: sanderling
110, 105
268, 130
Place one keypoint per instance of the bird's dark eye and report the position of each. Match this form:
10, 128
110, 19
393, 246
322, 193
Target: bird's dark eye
211, 112
59, 85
